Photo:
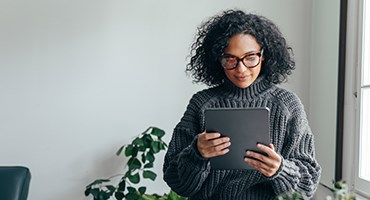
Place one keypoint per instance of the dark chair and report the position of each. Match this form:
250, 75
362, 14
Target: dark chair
14, 183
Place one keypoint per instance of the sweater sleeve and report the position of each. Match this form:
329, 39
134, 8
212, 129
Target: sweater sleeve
185, 170
299, 170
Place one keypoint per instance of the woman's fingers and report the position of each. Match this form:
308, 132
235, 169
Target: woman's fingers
268, 165
257, 164
212, 139
258, 156
267, 173
262, 167
268, 160
267, 149
218, 141
209, 136
213, 151
272, 146
212, 144
218, 152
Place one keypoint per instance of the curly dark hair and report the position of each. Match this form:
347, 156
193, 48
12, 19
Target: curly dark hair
212, 39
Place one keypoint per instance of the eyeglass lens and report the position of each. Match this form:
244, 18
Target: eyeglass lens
231, 62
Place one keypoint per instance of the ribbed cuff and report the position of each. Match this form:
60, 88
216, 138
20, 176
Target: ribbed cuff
286, 178
193, 158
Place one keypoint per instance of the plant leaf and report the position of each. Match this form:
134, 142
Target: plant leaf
134, 151
87, 191
103, 195
162, 146
119, 195
149, 174
129, 162
143, 157
147, 140
134, 178
131, 190
175, 196
134, 163
97, 182
131, 196
138, 142
150, 157
128, 150
95, 192
172, 195
127, 174
111, 189
158, 132
142, 190
146, 131
149, 197
148, 165
155, 147
122, 185
119, 151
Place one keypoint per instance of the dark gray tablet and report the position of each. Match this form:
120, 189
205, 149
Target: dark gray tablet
245, 126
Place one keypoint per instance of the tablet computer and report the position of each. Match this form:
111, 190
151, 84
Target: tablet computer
246, 127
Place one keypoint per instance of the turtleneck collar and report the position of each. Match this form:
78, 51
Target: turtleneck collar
255, 89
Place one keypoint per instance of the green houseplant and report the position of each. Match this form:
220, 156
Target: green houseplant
341, 191
292, 196
141, 155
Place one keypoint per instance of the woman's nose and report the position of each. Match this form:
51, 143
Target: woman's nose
240, 67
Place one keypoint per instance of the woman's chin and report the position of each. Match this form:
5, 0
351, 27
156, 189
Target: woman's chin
242, 84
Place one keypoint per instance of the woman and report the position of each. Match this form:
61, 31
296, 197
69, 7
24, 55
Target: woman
242, 57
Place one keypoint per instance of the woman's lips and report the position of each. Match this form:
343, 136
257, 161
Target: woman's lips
243, 78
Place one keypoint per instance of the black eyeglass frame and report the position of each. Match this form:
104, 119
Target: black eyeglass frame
259, 54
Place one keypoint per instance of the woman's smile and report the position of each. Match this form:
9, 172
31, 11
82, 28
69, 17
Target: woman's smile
243, 78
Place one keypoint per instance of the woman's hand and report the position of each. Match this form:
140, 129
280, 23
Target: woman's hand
212, 144
267, 165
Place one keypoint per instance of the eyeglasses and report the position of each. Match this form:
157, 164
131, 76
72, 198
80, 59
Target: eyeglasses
231, 62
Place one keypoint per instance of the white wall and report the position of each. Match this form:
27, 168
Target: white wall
324, 79
80, 78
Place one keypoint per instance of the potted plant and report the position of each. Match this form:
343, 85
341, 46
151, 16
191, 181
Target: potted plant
141, 156
292, 196
341, 191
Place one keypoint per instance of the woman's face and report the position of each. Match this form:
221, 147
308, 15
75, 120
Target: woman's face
241, 45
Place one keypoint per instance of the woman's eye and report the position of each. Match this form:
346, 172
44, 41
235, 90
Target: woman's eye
250, 58
230, 59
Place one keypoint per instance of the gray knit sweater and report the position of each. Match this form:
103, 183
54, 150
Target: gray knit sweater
190, 175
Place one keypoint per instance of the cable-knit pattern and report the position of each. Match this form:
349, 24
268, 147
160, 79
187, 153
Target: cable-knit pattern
189, 174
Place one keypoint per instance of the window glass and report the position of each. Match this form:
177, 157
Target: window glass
365, 55
365, 135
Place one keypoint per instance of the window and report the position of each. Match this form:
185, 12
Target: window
363, 169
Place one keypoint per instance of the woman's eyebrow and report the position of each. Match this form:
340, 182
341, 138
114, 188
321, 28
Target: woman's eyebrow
251, 52
247, 53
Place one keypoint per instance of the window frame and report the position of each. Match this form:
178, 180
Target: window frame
361, 186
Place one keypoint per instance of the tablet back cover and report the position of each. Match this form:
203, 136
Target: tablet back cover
245, 126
